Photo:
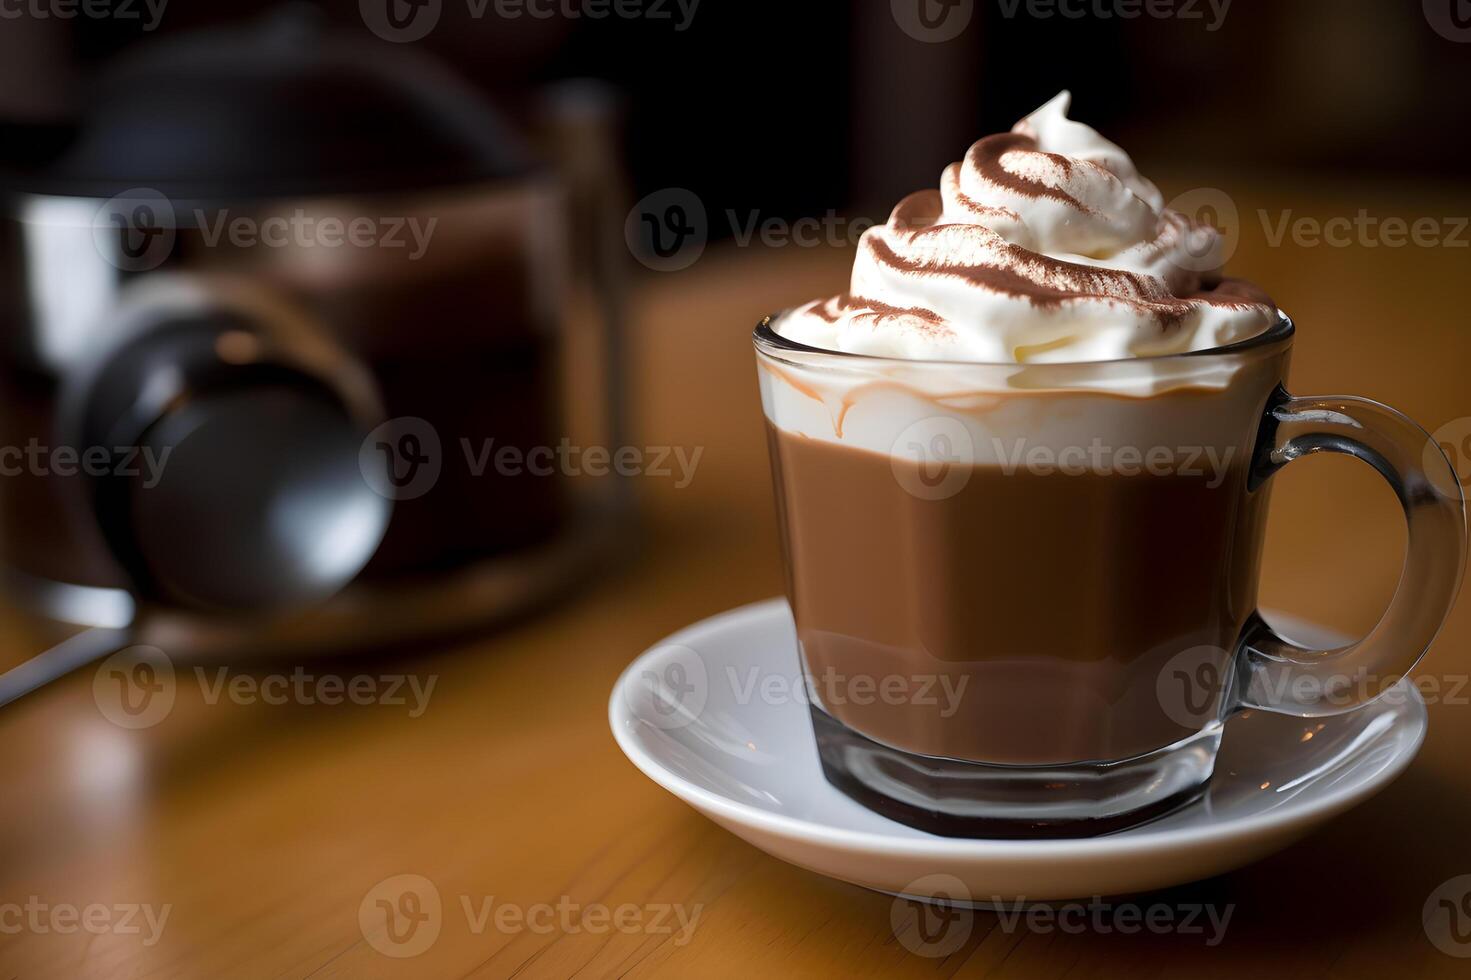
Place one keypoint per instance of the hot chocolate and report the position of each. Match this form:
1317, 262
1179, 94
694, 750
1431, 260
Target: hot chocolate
1020, 468
1018, 473
1055, 592
1046, 602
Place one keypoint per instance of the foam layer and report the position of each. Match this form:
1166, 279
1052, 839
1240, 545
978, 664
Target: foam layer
1044, 244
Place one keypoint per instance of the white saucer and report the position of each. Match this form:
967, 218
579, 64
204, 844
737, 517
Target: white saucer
745, 757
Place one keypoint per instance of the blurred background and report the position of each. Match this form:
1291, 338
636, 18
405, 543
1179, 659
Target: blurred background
557, 161
799, 108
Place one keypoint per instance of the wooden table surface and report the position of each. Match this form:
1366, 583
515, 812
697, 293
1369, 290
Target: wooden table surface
262, 829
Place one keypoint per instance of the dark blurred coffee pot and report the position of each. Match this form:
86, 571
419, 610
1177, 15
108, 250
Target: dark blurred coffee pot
263, 315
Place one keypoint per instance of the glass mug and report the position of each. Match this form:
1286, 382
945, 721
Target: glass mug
1025, 594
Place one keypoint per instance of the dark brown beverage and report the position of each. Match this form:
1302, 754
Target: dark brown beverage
1011, 627
1023, 620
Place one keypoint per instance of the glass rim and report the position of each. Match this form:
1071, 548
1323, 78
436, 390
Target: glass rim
768, 341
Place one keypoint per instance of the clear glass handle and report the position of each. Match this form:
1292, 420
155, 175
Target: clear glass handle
1279, 675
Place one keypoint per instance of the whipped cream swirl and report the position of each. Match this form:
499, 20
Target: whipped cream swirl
1043, 244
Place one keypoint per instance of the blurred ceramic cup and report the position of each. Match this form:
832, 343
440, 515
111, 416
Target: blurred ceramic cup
324, 286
